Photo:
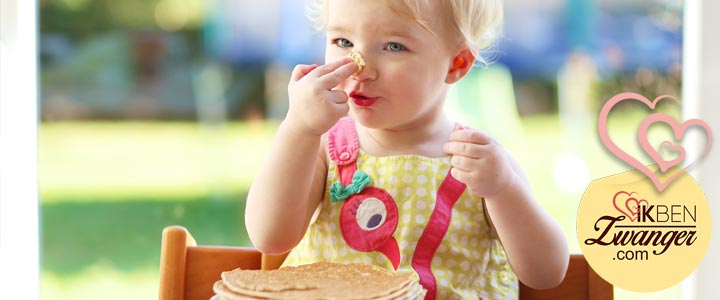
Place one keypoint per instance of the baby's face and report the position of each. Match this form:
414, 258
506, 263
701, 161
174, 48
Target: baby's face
403, 80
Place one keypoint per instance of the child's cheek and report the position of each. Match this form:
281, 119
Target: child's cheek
334, 53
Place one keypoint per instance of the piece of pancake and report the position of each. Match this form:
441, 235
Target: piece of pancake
321, 280
417, 292
400, 291
222, 292
358, 59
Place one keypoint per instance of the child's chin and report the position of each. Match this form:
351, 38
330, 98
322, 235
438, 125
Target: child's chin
366, 118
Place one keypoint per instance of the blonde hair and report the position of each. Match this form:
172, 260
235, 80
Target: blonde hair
478, 22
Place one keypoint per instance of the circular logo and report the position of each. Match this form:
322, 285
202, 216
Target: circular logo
640, 239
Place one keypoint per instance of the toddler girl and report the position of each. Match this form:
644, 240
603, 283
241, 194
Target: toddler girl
398, 184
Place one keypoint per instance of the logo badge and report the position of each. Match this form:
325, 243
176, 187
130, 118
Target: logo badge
636, 229
640, 239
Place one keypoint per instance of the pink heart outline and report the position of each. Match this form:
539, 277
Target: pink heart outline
678, 132
665, 164
629, 215
619, 153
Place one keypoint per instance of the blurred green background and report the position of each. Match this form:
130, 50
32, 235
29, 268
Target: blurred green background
159, 112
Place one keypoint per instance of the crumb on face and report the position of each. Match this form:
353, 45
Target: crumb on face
358, 59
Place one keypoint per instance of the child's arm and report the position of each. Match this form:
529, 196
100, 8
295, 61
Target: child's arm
533, 240
290, 184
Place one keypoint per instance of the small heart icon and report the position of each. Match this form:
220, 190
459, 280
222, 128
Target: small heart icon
626, 208
633, 205
672, 149
678, 131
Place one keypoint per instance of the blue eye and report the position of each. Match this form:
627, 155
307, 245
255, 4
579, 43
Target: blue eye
395, 47
342, 43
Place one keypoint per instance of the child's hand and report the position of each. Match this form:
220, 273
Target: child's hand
314, 106
479, 162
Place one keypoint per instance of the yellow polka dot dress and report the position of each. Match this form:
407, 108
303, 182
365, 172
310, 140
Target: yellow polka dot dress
403, 212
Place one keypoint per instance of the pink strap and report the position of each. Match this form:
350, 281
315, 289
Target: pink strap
434, 233
343, 148
448, 194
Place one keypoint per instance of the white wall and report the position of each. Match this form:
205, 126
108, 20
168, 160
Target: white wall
701, 98
19, 261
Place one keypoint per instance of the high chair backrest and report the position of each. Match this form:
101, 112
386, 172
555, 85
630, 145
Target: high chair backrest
188, 271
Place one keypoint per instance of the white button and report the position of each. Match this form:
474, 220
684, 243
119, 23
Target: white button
344, 156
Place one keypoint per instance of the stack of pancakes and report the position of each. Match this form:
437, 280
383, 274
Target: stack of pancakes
321, 280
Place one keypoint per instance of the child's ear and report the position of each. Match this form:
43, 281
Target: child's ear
460, 66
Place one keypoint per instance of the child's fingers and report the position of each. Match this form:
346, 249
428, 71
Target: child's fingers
331, 66
339, 100
337, 96
300, 71
462, 176
332, 79
463, 163
463, 148
471, 136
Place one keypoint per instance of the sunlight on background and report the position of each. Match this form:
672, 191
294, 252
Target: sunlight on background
75, 4
159, 112
571, 173
172, 15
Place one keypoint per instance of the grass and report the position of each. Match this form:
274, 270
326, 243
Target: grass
124, 235
108, 189
112, 161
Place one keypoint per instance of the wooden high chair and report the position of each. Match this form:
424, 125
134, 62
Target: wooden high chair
188, 271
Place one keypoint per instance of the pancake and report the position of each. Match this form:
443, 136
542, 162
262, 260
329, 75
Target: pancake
321, 281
